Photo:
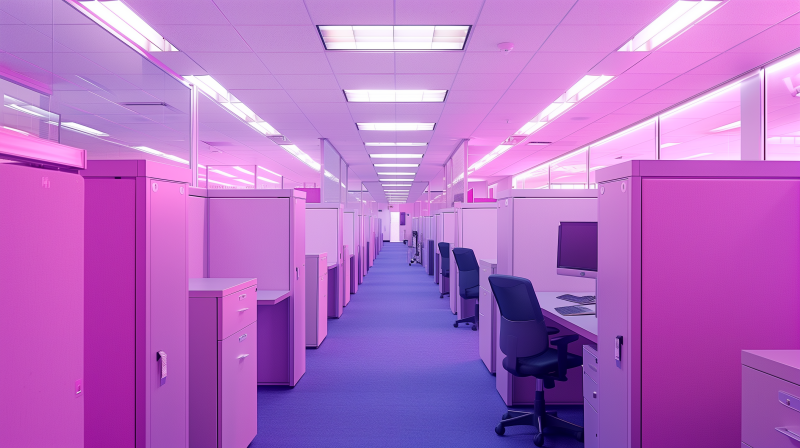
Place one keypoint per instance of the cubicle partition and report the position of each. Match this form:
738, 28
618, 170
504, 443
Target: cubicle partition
449, 236
698, 260
476, 229
136, 314
438, 231
42, 296
324, 234
197, 231
351, 240
527, 244
261, 234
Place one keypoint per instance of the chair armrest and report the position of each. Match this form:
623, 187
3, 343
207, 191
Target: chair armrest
562, 342
552, 330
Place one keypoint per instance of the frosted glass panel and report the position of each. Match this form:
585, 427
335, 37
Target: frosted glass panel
637, 143
331, 187
783, 110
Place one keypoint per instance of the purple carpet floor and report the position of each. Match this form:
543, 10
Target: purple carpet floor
393, 372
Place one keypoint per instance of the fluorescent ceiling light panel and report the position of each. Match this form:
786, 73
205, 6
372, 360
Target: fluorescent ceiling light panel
395, 126
396, 156
396, 185
394, 37
221, 172
125, 22
23, 110
544, 168
81, 128
728, 127
396, 174
396, 165
406, 190
671, 23
395, 96
216, 92
244, 181
273, 172
305, 158
218, 182
396, 180
496, 152
242, 170
152, 151
394, 144
577, 93
667, 145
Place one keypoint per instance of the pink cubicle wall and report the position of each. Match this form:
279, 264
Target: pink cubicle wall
698, 260
136, 304
261, 234
325, 234
197, 209
476, 229
41, 322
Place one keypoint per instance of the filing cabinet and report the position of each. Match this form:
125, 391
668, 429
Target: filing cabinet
223, 362
770, 398
316, 299
487, 308
590, 397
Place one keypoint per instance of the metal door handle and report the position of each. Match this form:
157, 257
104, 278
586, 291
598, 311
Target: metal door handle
243, 310
161, 356
243, 356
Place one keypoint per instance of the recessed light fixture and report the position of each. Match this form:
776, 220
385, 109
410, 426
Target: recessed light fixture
394, 37
667, 145
240, 169
152, 151
539, 143
394, 144
577, 93
671, 23
216, 92
396, 180
81, 128
273, 172
396, 165
305, 158
396, 156
395, 126
396, 185
124, 21
395, 96
406, 190
23, 110
728, 127
396, 174
496, 152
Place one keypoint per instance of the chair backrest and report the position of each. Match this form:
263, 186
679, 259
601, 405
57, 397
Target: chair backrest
444, 251
522, 328
468, 276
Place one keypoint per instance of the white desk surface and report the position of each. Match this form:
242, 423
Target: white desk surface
271, 296
585, 326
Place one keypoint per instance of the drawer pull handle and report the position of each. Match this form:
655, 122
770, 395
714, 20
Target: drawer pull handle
790, 401
241, 297
243, 356
792, 432
243, 310
594, 394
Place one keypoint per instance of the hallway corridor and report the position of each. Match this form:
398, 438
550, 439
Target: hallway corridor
393, 372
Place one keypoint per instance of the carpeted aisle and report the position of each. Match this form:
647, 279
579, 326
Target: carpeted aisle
393, 372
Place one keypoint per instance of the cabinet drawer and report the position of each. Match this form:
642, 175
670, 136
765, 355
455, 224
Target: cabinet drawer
762, 411
237, 388
590, 426
590, 390
237, 311
590, 363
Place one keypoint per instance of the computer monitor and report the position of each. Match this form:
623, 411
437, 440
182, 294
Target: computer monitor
577, 249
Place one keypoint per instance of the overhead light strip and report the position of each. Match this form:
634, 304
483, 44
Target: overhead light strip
396, 165
396, 156
395, 96
394, 38
675, 20
123, 20
395, 126
394, 144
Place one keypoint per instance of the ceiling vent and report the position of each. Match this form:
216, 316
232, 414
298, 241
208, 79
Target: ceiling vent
539, 143
279, 139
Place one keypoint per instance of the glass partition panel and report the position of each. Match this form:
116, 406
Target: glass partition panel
707, 128
569, 173
235, 177
331, 180
783, 110
536, 178
27, 111
636, 143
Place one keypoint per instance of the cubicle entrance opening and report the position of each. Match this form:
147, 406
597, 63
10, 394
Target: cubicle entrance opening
394, 227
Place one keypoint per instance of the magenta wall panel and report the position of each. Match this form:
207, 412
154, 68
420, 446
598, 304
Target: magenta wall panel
719, 254
137, 285
42, 294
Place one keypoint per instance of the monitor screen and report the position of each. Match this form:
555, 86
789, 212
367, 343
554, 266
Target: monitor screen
577, 246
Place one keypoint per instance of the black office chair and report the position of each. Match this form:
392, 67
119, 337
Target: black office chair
444, 252
524, 339
467, 282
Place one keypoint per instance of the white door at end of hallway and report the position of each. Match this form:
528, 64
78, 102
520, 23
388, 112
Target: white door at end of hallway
394, 235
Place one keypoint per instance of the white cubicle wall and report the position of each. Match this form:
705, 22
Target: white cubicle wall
325, 234
449, 236
351, 240
476, 229
527, 244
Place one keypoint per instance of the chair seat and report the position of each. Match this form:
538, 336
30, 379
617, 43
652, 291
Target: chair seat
471, 293
543, 364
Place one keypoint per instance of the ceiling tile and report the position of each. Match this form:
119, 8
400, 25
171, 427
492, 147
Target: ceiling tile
230, 63
351, 12
296, 63
545, 62
439, 12
428, 62
541, 12
589, 38
525, 38
205, 39
264, 12
495, 62
281, 38
308, 82
361, 62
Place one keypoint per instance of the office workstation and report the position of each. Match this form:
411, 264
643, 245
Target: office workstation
336, 223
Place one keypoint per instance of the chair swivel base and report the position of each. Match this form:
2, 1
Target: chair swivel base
467, 320
539, 419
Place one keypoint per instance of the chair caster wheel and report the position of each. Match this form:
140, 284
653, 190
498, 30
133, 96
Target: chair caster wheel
538, 439
500, 430
579, 436
455, 325
474, 328
506, 416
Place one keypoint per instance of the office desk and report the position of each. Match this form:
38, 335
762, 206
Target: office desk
335, 303
281, 338
520, 391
